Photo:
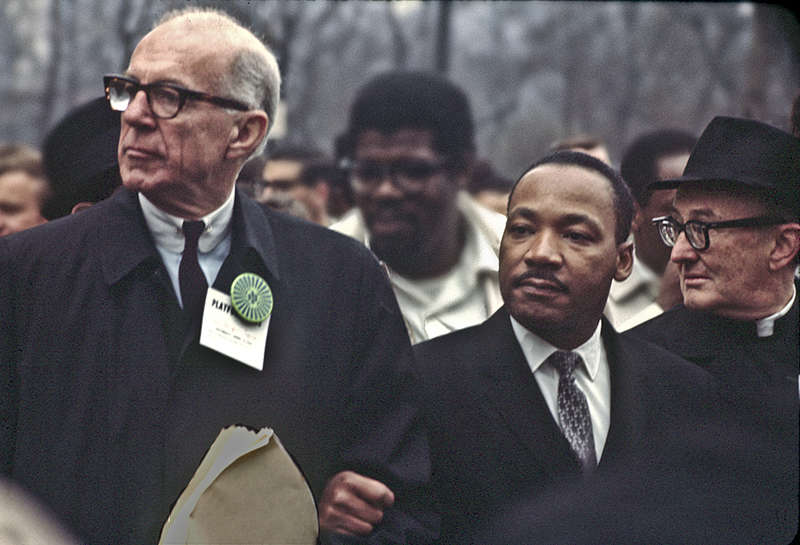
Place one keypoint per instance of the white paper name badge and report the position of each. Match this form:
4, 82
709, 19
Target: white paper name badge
227, 334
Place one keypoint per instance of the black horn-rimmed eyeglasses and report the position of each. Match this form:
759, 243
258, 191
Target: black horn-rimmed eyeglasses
697, 231
165, 99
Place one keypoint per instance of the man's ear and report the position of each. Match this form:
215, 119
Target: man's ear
638, 217
247, 133
83, 205
787, 245
624, 261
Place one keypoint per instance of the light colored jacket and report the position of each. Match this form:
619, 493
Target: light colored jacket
487, 227
633, 301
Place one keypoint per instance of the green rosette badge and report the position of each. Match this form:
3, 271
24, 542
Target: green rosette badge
251, 297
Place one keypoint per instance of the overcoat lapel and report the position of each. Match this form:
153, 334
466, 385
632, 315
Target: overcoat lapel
512, 392
130, 258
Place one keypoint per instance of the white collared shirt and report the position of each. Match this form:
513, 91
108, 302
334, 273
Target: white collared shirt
766, 326
593, 378
213, 247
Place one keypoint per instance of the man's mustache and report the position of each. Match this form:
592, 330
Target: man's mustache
545, 275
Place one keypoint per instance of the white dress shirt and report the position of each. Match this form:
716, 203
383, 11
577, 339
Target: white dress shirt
212, 248
593, 378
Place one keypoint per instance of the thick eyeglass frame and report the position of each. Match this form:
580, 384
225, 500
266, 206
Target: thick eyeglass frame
668, 221
156, 107
392, 170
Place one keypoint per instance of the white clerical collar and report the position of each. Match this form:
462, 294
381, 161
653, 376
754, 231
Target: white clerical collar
537, 350
766, 326
167, 229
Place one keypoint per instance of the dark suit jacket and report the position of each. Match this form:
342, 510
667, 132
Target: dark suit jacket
493, 439
108, 403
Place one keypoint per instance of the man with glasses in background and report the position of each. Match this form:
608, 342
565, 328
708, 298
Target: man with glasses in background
652, 286
409, 148
735, 237
288, 181
114, 378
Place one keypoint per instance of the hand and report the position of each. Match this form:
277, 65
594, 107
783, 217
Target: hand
353, 504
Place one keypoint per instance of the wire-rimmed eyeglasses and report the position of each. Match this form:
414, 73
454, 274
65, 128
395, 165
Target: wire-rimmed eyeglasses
165, 99
697, 231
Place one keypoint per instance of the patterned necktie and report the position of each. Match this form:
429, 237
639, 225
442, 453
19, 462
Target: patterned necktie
573, 411
190, 275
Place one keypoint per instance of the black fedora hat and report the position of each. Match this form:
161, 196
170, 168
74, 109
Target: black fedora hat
744, 152
80, 157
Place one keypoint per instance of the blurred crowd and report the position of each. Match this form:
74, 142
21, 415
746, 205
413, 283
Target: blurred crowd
595, 351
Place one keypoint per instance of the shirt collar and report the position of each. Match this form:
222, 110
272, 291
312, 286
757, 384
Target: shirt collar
166, 229
481, 251
537, 350
485, 258
766, 326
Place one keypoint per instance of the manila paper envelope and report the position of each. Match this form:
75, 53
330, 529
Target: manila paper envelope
247, 490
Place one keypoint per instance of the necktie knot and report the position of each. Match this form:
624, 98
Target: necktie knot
191, 233
564, 362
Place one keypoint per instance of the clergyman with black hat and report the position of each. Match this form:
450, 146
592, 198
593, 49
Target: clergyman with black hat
735, 237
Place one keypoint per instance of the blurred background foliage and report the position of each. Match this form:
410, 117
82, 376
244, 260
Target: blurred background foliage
535, 72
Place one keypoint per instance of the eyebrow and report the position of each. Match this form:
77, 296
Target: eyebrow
575, 219
524, 211
705, 213
127, 74
566, 219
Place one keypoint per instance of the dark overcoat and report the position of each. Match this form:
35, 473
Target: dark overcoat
108, 402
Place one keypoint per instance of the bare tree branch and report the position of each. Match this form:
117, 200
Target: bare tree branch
400, 50
50, 92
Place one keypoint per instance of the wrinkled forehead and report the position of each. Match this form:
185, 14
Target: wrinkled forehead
187, 48
720, 200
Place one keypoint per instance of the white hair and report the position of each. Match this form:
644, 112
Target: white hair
253, 77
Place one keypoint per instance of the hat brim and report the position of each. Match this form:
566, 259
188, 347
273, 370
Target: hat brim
676, 182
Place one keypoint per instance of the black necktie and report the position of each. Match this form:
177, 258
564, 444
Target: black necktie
573, 411
190, 275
